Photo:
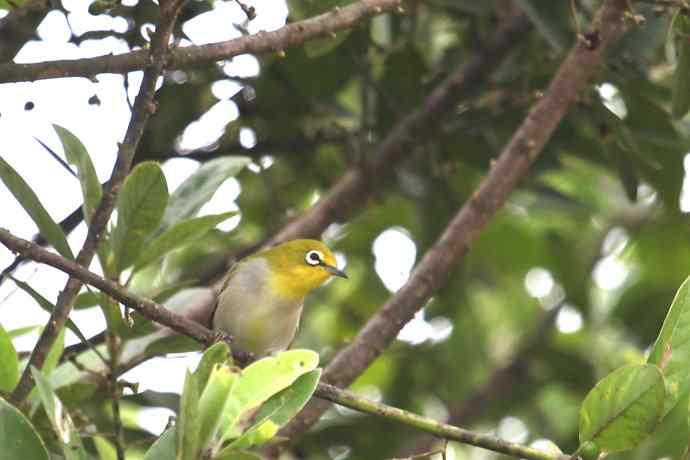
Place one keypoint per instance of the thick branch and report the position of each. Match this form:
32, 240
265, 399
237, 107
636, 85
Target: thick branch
143, 108
197, 56
157, 313
19, 26
449, 250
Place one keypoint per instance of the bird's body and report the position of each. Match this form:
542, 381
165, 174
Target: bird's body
261, 301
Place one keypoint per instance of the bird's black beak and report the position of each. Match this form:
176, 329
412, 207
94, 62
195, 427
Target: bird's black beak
335, 271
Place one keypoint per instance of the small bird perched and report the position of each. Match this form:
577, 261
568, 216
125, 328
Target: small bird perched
262, 297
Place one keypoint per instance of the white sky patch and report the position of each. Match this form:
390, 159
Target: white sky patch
164, 374
242, 66
54, 27
223, 201
685, 191
539, 282
613, 100
395, 253
610, 273
154, 419
512, 429
247, 138
569, 320
225, 89
209, 128
177, 170
546, 445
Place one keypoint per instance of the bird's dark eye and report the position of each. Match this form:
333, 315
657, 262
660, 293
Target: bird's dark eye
314, 257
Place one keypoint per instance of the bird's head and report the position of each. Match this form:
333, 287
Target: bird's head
299, 266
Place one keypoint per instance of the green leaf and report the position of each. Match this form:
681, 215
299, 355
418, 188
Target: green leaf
188, 423
198, 188
18, 438
671, 350
14, 333
280, 409
76, 154
47, 305
213, 401
33, 207
218, 353
681, 78
9, 362
106, 451
163, 448
86, 299
140, 208
54, 354
549, 19
263, 379
59, 417
232, 454
623, 408
177, 236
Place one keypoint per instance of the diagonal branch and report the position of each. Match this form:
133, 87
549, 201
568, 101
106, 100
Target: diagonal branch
143, 108
155, 312
357, 186
449, 250
197, 56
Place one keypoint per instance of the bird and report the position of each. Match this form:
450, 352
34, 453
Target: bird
260, 303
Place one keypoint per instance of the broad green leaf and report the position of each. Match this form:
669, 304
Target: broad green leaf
279, 410
671, 351
681, 77
86, 299
198, 188
177, 236
263, 379
46, 305
623, 408
9, 362
62, 424
106, 451
163, 448
188, 422
220, 384
18, 438
76, 154
33, 207
549, 19
140, 208
218, 353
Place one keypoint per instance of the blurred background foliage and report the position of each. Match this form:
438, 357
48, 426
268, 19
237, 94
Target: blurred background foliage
570, 280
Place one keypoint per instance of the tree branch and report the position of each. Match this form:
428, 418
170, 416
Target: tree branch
418, 127
160, 314
449, 250
19, 26
438, 429
198, 56
143, 108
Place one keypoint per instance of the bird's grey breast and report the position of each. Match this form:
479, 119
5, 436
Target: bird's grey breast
250, 311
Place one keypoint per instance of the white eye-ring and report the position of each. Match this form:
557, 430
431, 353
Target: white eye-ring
314, 257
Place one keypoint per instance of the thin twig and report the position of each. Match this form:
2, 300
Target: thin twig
449, 250
142, 112
158, 313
